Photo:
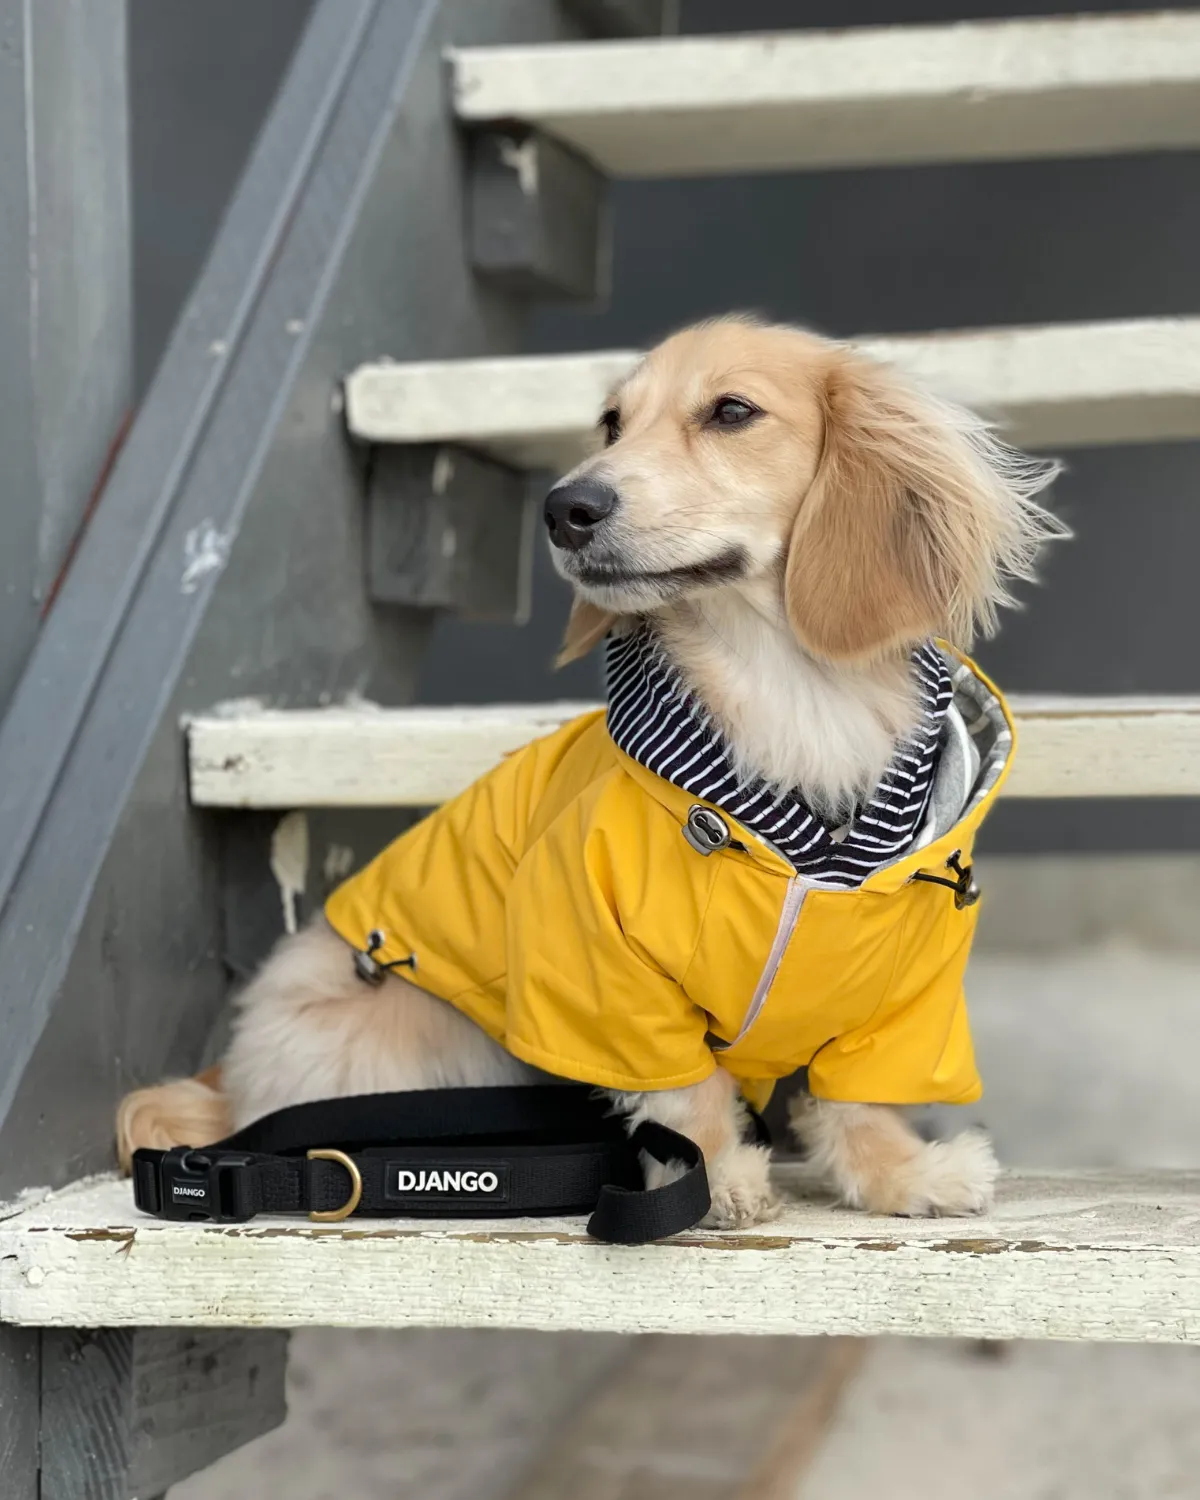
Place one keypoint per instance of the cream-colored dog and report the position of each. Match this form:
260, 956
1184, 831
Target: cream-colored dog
794, 518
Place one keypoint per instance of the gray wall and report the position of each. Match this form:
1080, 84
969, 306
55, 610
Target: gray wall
201, 76
845, 252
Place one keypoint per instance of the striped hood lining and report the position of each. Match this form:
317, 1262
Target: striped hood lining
658, 722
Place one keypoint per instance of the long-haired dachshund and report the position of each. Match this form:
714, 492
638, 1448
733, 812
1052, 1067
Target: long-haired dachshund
759, 858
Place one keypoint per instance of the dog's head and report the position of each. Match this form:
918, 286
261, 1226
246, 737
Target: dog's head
740, 455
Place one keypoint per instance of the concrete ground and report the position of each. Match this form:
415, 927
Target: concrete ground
1091, 1058
447, 1415
937, 1421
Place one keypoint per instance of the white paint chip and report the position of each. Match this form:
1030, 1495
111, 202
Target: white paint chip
339, 861
289, 865
205, 551
521, 156
443, 471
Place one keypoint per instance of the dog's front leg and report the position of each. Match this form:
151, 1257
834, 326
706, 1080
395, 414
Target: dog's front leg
711, 1114
875, 1160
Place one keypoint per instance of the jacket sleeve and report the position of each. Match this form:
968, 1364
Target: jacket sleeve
597, 945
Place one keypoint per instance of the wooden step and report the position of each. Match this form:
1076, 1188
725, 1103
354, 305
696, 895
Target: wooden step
1064, 86
365, 756
1061, 386
1064, 1256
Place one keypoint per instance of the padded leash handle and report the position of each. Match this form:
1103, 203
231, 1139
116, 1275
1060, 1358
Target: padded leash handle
635, 1216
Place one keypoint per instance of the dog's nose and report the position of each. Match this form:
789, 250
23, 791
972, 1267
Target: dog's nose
575, 508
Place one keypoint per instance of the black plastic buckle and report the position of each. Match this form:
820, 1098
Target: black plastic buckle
189, 1183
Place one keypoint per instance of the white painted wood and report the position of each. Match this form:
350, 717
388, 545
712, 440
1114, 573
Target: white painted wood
1070, 1256
1065, 385
417, 757
1106, 747
357, 757
997, 89
534, 411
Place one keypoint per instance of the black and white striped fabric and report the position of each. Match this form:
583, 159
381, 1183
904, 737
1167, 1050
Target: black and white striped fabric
656, 721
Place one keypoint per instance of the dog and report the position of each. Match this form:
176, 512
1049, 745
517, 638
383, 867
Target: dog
772, 535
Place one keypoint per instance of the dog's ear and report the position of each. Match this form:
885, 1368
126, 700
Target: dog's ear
915, 523
588, 624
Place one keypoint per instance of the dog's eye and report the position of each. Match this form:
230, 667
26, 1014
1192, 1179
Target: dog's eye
611, 422
732, 411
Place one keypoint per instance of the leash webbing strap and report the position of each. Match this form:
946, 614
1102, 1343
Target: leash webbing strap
439, 1153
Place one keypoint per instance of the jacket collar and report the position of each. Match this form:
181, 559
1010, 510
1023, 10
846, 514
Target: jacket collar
659, 724
973, 689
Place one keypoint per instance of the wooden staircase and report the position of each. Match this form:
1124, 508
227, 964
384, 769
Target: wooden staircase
1073, 1255
1082, 1257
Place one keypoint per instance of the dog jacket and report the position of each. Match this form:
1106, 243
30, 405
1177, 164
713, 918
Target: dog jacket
608, 926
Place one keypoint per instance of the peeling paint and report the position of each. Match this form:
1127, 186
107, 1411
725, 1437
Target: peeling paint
1004, 1247
443, 471
289, 865
338, 862
205, 551
522, 158
232, 708
27, 1198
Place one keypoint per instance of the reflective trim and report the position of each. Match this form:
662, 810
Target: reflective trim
793, 901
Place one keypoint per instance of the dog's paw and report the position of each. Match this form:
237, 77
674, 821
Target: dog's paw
948, 1179
739, 1183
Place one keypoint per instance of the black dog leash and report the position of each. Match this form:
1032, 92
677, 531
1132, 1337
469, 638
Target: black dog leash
546, 1149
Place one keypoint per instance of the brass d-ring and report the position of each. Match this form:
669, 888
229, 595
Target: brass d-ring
332, 1215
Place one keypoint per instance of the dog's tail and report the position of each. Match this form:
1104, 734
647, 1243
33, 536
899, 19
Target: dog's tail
187, 1112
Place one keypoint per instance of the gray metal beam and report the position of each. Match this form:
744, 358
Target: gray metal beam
88, 706
226, 560
65, 316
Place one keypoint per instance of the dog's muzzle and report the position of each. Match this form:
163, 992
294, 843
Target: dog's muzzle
575, 508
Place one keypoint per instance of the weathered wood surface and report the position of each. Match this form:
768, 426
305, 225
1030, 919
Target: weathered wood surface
1068, 86
449, 530
20, 1412
1067, 1256
130, 1411
1057, 386
417, 757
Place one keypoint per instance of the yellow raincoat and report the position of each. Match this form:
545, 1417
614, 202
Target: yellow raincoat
558, 905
